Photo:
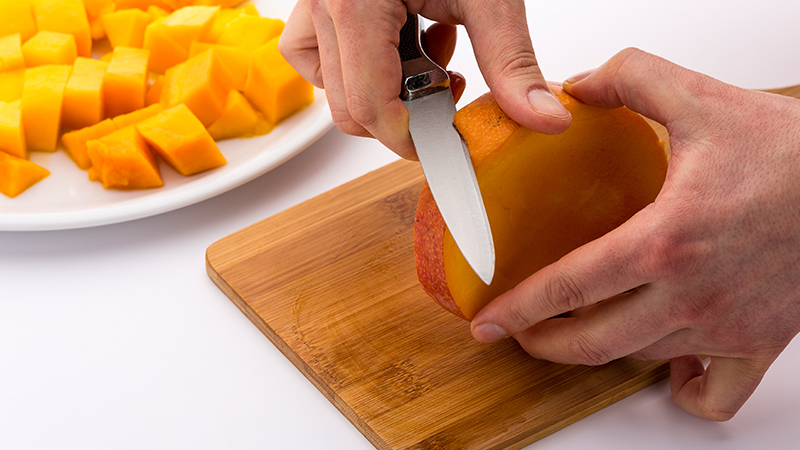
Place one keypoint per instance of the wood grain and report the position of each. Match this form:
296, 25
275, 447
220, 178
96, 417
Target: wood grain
331, 282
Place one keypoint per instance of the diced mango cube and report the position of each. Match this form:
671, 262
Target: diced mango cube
18, 174
11, 53
126, 80
250, 32
224, 17
75, 141
125, 27
201, 83
273, 86
83, 96
238, 120
169, 38
182, 140
42, 96
222, 3
156, 12
123, 160
235, 60
65, 16
12, 135
11, 84
17, 17
154, 91
132, 118
48, 47
164, 51
141, 4
97, 8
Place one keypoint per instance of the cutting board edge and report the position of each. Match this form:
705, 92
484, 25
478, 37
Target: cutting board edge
296, 361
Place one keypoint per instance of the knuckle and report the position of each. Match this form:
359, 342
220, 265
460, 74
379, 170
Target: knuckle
362, 111
586, 350
345, 123
564, 294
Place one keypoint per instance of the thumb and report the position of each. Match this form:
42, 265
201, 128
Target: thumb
719, 391
645, 83
503, 49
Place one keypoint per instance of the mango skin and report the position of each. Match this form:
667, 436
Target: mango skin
545, 195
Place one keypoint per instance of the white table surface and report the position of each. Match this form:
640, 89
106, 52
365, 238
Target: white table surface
114, 337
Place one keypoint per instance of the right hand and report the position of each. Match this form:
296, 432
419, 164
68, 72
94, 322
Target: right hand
349, 48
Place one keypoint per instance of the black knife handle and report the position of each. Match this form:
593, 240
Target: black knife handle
410, 48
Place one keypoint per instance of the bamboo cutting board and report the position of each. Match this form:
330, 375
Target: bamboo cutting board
331, 282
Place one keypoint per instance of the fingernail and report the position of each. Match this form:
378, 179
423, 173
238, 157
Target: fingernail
579, 76
488, 333
546, 103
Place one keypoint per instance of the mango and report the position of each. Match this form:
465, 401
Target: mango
170, 38
42, 95
65, 16
83, 96
201, 83
48, 47
126, 80
17, 18
238, 120
250, 32
123, 160
12, 135
95, 10
182, 140
153, 95
132, 118
11, 53
165, 52
18, 174
273, 86
11, 84
125, 27
224, 17
222, 3
235, 60
142, 5
156, 12
75, 141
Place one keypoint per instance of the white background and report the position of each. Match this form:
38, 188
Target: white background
114, 337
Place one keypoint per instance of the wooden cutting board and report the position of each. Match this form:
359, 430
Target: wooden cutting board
331, 282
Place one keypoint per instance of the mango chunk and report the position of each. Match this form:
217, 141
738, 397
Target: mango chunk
123, 160
250, 32
48, 47
182, 140
83, 96
65, 16
201, 83
11, 84
126, 80
238, 120
222, 3
137, 116
235, 60
141, 4
18, 174
17, 18
97, 8
224, 17
153, 95
11, 53
75, 141
273, 86
12, 135
156, 12
42, 96
170, 38
125, 27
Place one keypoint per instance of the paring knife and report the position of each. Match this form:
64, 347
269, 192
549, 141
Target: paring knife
442, 152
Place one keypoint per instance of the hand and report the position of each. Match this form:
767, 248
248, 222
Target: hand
349, 48
712, 266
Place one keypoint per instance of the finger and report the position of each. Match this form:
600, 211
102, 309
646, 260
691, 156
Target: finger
647, 84
604, 332
298, 44
719, 391
601, 269
503, 49
372, 72
331, 69
440, 43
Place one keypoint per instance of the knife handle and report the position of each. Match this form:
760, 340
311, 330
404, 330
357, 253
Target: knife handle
421, 76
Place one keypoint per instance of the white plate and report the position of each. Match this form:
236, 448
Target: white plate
67, 199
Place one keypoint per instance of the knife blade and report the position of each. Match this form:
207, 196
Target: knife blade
442, 152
